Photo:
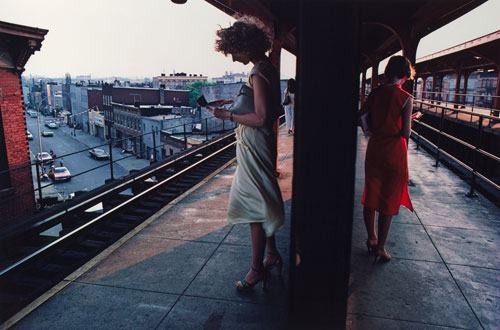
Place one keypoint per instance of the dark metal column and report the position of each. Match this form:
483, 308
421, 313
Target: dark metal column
496, 105
324, 163
466, 81
363, 88
374, 79
458, 74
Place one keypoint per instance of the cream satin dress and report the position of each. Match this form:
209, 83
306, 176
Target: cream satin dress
255, 194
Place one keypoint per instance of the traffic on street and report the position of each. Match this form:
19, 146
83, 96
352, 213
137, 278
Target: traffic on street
69, 159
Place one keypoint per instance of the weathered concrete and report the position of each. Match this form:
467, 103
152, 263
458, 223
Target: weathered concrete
179, 272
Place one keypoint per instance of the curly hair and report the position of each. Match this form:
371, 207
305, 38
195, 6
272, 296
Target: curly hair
399, 67
246, 36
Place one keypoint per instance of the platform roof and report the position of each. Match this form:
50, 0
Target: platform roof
385, 25
480, 53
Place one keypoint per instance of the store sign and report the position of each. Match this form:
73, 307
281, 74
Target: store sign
96, 118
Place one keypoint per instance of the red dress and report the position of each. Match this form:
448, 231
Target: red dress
386, 163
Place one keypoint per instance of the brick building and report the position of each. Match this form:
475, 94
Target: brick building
17, 44
137, 97
177, 80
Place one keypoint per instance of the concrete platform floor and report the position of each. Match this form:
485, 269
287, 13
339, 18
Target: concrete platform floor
178, 272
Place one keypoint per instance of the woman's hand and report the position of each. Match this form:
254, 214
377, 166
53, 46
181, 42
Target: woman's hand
219, 112
220, 103
416, 115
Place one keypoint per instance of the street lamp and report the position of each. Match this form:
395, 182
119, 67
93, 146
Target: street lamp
38, 125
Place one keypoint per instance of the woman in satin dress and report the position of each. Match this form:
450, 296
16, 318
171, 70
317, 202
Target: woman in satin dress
255, 197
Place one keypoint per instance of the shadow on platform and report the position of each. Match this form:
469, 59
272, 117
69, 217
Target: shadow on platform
179, 271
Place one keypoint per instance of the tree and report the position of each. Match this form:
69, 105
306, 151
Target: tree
195, 91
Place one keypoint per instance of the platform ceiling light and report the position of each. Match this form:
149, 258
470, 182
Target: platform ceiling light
477, 57
179, 2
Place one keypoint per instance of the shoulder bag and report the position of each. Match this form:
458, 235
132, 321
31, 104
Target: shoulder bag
243, 102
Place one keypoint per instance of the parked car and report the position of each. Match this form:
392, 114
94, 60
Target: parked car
52, 125
45, 158
47, 133
59, 174
30, 136
97, 153
31, 113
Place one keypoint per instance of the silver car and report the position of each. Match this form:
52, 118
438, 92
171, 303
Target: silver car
97, 153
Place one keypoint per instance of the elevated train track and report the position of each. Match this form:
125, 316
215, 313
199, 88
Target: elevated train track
32, 262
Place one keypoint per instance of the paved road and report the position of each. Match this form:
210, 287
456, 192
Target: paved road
63, 144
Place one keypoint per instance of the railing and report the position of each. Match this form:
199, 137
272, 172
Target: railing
465, 101
220, 127
445, 111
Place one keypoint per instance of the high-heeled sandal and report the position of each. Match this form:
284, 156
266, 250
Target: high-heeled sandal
382, 256
370, 245
247, 286
278, 263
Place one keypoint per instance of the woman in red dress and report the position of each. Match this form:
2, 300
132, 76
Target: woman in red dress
387, 115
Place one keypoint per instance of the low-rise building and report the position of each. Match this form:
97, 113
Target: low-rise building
17, 198
230, 78
177, 80
137, 97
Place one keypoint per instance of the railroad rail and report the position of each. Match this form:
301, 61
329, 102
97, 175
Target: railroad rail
31, 261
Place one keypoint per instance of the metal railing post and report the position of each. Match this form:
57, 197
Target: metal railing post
38, 181
206, 129
185, 137
474, 158
441, 121
111, 158
223, 128
418, 139
154, 146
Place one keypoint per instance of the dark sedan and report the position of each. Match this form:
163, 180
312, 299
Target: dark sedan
98, 153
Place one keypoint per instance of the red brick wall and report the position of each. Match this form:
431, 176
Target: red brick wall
16, 142
95, 98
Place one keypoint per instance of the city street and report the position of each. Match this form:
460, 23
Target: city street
67, 141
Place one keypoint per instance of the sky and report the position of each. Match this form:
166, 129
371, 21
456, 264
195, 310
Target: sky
137, 39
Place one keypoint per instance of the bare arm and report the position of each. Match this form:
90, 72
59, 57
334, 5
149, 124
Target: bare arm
261, 94
406, 119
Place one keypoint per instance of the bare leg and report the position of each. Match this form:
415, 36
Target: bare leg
369, 217
273, 258
271, 245
384, 226
258, 236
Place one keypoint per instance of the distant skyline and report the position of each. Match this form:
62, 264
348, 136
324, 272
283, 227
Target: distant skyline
142, 39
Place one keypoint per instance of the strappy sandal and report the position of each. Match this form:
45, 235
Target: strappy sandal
382, 256
278, 263
247, 286
370, 245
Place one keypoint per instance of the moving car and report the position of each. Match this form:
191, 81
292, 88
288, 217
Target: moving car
52, 125
59, 174
47, 133
30, 136
45, 158
97, 153
32, 113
